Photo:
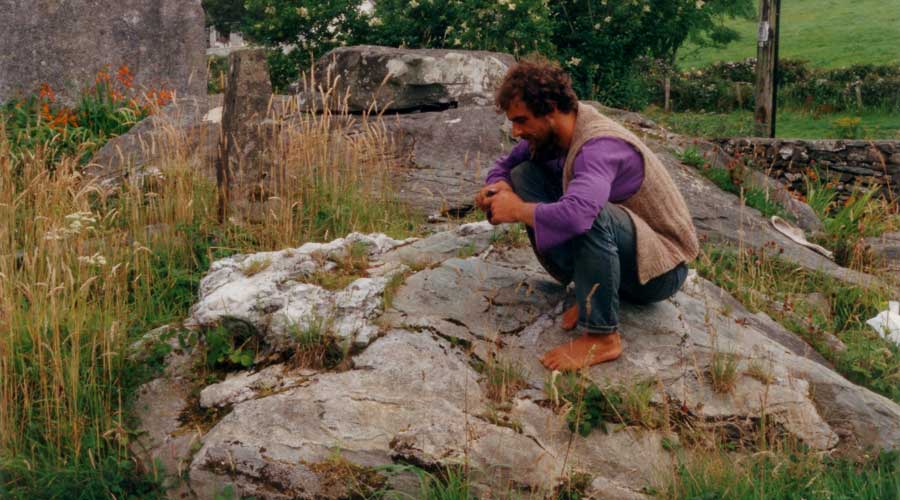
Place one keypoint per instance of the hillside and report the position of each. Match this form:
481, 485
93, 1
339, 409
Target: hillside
828, 33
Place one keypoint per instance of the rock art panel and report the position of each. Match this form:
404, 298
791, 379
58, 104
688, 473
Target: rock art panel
65, 44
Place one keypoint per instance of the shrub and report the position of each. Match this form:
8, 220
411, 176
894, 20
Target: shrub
577, 33
729, 86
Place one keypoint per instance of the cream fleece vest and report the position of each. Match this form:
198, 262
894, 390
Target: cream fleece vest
663, 227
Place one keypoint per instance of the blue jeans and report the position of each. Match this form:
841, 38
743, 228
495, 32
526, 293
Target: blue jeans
602, 261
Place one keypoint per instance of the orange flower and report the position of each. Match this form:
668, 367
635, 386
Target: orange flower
165, 97
125, 77
159, 97
102, 77
65, 118
45, 112
47, 92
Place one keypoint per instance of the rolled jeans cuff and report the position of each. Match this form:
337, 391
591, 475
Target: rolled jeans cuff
598, 329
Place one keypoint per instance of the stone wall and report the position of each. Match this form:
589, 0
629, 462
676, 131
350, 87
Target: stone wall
66, 42
851, 163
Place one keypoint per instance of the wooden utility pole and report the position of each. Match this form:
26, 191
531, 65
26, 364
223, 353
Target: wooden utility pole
766, 67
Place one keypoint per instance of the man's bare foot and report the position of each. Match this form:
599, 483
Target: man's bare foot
584, 351
570, 318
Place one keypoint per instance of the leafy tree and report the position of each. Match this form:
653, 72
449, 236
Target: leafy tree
296, 30
599, 41
514, 26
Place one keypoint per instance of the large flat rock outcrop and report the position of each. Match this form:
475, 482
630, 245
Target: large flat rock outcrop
413, 391
371, 77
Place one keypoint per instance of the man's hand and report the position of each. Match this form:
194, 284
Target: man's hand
482, 198
506, 206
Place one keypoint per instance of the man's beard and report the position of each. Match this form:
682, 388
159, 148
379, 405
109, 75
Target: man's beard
542, 146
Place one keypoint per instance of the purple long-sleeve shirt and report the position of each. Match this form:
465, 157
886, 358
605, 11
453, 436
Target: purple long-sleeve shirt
606, 169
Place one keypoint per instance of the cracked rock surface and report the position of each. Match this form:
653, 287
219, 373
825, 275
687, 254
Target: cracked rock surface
412, 394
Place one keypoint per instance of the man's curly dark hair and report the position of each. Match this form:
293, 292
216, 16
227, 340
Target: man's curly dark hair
541, 84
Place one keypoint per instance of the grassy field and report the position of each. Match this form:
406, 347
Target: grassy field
828, 33
791, 124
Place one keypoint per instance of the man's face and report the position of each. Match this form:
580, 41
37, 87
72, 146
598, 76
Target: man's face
538, 131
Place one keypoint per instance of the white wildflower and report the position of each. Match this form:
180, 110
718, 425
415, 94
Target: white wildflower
607, 19
375, 21
647, 8
699, 4
413, 4
302, 12
80, 221
94, 260
575, 61
54, 235
511, 6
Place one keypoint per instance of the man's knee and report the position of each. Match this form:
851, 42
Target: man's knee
612, 220
522, 176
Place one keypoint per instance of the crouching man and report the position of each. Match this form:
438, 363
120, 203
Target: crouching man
599, 206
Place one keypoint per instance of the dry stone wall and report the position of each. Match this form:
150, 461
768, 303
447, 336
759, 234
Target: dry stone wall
66, 42
851, 163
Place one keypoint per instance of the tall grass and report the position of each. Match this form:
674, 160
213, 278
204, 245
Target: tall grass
84, 270
786, 474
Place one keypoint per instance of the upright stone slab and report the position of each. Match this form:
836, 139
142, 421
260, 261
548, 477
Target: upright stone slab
409, 79
66, 42
240, 169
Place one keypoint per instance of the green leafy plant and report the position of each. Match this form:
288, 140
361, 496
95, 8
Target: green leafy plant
231, 344
690, 156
